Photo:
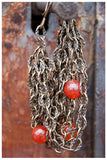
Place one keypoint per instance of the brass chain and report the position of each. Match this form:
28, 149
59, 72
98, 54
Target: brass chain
49, 105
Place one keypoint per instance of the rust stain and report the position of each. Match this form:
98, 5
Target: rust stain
13, 24
81, 4
102, 46
16, 110
78, 21
57, 30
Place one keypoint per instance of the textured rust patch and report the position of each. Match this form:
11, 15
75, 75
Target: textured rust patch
8, 45
17, 19
12, 30
81, 4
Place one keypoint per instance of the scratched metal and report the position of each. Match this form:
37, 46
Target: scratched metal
18, 43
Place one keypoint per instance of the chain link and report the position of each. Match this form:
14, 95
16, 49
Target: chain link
49, 105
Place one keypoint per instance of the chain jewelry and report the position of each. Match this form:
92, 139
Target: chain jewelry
58, 89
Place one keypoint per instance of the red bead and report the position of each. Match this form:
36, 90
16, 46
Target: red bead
39, 134
66, 128
72, 89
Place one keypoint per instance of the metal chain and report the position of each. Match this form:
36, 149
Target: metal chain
49, 105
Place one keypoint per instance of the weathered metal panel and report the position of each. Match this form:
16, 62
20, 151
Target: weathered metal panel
99, 113
18, 42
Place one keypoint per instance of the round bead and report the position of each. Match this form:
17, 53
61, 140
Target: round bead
39, 134
66, 128
72, 89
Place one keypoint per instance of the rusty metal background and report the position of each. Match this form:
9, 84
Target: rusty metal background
99, 110
18, 43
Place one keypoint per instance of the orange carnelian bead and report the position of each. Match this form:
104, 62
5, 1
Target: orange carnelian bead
39, 134
66, 128
72, 89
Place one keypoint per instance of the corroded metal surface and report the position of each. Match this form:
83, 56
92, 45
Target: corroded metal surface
99, 113
18, 43
63, 10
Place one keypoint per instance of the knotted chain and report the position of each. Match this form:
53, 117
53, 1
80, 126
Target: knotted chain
50, 107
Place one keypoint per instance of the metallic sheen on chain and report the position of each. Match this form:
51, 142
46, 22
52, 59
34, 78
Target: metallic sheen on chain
49, 105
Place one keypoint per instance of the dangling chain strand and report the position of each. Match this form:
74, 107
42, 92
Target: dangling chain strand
60, 113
